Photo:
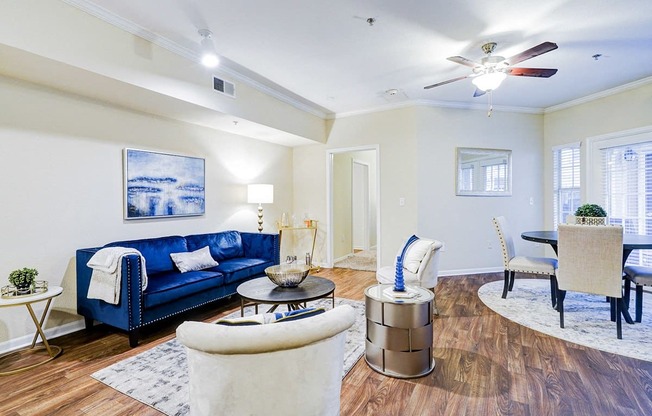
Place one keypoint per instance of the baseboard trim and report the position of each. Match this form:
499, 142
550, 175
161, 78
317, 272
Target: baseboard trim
460, 272
50, 333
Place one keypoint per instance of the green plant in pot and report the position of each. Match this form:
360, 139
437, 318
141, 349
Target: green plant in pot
23, 279
591, 214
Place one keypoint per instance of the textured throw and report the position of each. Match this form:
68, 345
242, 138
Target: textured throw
586, 317
158, 377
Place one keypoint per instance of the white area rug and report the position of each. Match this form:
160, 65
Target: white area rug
586, 317
158, 377
363, 260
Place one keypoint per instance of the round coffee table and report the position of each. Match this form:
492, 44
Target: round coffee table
262, 290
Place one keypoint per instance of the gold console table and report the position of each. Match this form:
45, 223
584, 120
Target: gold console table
399, 332
286, 233
52, 350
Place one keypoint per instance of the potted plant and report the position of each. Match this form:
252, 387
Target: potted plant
591, 214
23, 279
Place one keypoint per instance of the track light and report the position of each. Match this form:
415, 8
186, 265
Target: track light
208, 56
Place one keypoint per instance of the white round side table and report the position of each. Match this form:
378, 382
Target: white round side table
53, 350
399, 331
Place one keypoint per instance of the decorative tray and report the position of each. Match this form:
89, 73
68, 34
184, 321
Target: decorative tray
12, 292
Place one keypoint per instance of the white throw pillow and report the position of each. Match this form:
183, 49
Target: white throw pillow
415, 254
194, 260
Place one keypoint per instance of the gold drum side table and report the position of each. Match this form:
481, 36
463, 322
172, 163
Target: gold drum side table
399, 331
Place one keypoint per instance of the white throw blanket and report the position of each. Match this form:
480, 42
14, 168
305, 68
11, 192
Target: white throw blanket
107, 273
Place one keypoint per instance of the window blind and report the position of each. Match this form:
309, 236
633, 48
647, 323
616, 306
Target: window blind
566, 182
627, 192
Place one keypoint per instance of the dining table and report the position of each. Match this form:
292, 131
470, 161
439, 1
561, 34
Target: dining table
631, 242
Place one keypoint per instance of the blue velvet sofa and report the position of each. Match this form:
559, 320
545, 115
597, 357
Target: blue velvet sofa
241, 256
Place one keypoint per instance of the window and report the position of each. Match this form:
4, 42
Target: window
466, 180
495, 177
566, 182
627, 192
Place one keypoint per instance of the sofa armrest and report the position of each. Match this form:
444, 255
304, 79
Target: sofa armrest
127, 314
261, 246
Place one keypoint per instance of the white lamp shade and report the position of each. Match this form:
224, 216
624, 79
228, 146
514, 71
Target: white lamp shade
260, 193
489, 81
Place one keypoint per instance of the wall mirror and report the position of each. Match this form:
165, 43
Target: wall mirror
483, 172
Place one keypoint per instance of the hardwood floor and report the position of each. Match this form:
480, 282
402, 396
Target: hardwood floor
485, 365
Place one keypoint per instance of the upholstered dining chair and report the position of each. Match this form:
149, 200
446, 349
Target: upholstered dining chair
288, 368
420, 266
522, 264
640, 276
591, 261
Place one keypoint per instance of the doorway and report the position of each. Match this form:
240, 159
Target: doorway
353, 208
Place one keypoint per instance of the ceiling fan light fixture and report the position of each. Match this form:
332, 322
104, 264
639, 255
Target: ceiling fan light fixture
208, 56
489, 81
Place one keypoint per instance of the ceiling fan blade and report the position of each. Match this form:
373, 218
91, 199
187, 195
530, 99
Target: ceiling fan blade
463, 61
444, 82
531, 72
478, 92
532, 52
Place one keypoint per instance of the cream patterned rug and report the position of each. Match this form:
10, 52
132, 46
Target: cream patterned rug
158, 377
362, 260
586, 317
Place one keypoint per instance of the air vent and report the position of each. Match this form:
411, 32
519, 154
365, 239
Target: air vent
225, 87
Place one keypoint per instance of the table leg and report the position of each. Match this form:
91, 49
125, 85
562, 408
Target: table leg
53, 350
39, 324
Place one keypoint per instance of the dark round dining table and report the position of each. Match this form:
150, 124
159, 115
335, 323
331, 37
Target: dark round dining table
630, 241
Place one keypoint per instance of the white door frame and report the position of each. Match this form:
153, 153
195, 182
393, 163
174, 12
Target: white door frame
329, 198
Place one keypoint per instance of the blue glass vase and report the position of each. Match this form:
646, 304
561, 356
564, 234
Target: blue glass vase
399, 285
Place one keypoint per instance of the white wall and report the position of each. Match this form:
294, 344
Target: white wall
464, 223
61, 185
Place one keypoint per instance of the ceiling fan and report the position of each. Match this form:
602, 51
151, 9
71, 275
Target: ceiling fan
492, 70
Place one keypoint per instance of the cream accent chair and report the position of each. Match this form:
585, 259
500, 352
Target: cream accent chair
522, 264
640, 276
591, 261
284, 368
425, 268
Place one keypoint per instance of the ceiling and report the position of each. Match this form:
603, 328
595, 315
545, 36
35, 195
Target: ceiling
328, 56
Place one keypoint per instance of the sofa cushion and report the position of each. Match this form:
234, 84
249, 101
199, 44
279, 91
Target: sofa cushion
223, 245
189, 261
235, 270
156, 251
170, 286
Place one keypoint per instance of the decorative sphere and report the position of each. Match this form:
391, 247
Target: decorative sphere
287, 275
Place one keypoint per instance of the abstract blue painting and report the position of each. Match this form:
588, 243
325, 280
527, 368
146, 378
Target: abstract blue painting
162, 185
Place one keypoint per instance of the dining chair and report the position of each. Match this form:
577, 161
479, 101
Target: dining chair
591, 261
640, 276
522, 264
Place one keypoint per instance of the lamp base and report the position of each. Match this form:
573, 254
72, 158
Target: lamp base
260, 218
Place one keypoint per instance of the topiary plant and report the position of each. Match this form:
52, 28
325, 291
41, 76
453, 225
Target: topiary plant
23, 278
590, 210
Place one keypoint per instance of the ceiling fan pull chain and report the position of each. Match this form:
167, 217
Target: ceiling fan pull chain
491, 104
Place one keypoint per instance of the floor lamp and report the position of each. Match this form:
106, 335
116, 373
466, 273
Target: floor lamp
260, 194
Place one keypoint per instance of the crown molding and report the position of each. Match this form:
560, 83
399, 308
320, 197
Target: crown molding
192, 55
598, 95
437, 104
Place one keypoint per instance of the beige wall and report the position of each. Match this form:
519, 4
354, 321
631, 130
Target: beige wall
417, 163
61, 184
627, 110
